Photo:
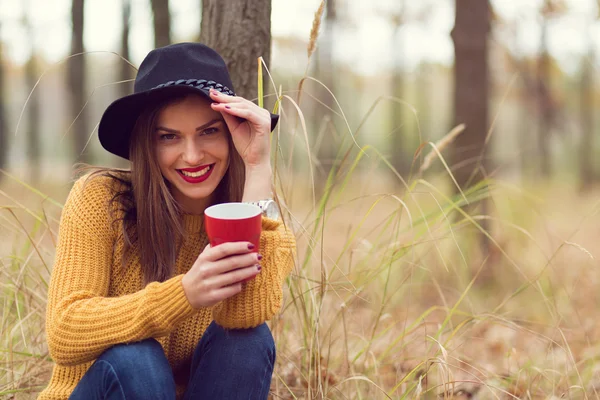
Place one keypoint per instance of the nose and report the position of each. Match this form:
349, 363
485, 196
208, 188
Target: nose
192, 153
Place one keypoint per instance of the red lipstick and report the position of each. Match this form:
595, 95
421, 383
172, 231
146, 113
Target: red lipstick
196, 179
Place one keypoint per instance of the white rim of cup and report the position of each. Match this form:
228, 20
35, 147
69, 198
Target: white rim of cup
232, 211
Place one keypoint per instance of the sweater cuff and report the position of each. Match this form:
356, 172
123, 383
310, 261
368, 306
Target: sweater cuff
172, 305
269, 224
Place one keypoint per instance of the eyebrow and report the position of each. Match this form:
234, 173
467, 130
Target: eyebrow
206, 125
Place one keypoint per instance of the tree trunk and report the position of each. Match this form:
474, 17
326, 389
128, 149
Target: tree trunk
125, 70
162, 23
325, 71
76, 82
586, 170
33, 123
470, 36
3, 124
33, 129
524, 124
424, 107
240, 31
545, 109
471, 91
401, 159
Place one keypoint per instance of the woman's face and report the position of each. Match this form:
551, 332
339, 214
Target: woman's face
192, 150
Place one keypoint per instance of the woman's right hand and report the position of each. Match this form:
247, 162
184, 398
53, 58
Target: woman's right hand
218, 273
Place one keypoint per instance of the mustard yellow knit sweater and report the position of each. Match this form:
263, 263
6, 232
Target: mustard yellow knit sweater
93, 304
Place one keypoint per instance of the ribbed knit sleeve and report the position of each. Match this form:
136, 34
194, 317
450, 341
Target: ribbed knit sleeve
81, 320
261, 297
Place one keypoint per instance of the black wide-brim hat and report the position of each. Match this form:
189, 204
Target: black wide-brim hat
165, 72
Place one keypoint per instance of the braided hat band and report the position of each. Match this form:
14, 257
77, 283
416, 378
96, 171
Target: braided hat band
198, 84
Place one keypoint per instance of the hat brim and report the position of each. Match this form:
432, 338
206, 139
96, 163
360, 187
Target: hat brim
120, 117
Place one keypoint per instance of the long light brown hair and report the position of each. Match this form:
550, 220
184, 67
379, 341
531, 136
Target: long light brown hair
150, 218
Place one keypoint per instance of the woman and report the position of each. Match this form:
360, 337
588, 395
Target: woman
139, 306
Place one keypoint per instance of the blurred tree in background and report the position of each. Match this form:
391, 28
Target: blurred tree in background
548, 106
471, 89
125, 71
401, 156
76, 77
586, 105
326, 146
471, 94
32, 74
240, 31
3, 122
162, 22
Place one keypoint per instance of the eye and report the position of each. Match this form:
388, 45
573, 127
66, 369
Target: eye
210, 131
167, 136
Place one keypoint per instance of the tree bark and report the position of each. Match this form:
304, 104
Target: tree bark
162, 23
76, 81
125, 70
3, 124
240, 31
470, 36
471, 93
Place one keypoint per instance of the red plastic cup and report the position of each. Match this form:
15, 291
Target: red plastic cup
233, 222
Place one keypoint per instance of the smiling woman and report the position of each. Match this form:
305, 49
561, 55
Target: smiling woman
192, 150
133, 265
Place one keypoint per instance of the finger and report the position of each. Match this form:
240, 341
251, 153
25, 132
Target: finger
226, 250
225, 98
242, 105
232, 263
238, 275
234, 100
253, 115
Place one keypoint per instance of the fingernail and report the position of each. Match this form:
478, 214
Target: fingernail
250, 246
215, 104
227, 107
258, 267
259, 257
214, 92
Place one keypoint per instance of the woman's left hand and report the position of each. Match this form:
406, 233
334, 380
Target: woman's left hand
250, 127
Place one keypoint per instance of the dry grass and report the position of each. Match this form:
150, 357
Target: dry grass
314, 32
391, 297
407, 312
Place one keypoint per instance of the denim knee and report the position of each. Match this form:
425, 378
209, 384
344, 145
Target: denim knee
232, 364
141, 367
259, 339
246, 342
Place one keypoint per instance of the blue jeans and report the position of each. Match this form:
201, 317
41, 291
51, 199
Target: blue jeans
227, 364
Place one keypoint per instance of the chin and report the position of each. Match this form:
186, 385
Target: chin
197, 194
194, 192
